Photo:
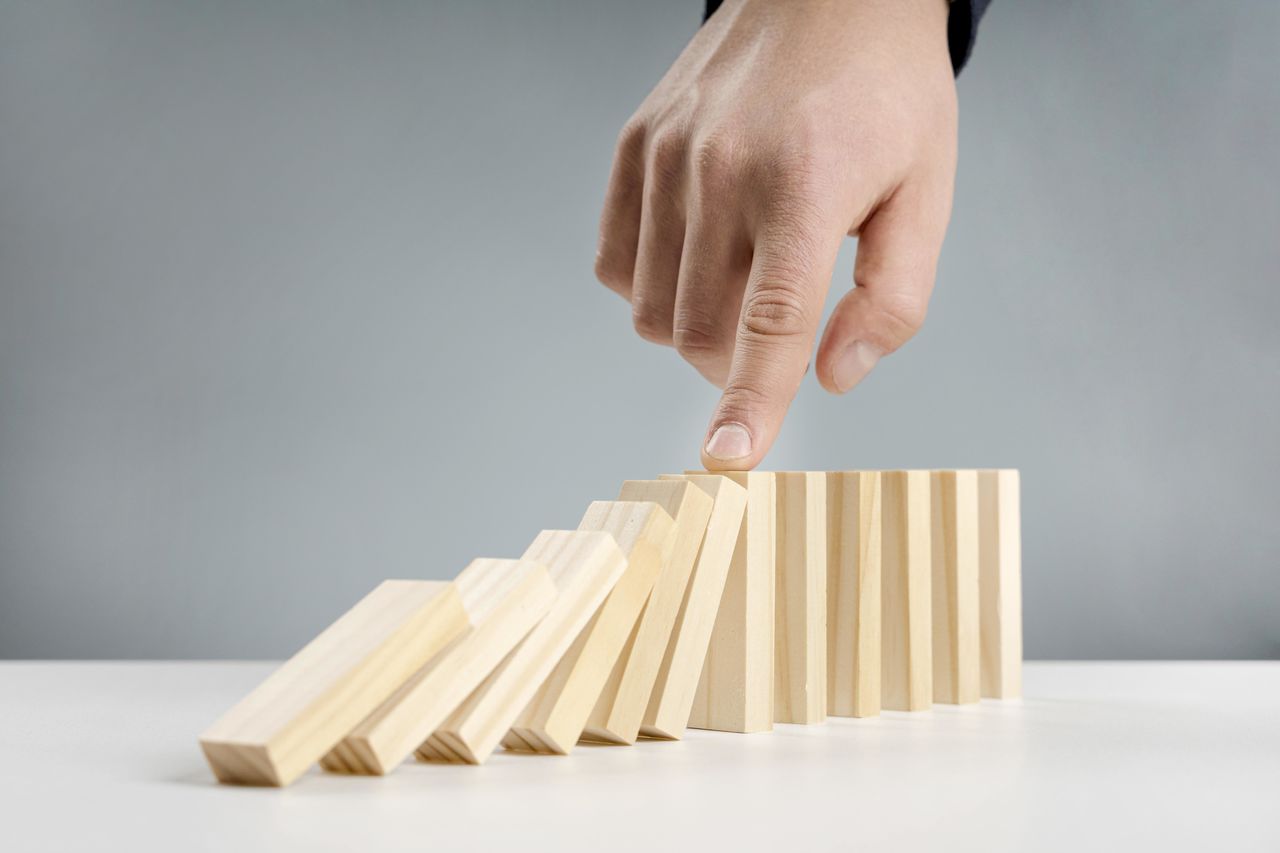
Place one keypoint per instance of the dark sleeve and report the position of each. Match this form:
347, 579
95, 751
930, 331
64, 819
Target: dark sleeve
962, 27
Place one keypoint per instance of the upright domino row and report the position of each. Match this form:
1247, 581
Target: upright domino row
714, 601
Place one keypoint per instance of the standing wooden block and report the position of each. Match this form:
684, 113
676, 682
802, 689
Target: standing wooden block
1000, 580
735, 693
853, 593
504, 600
671, 700
955, 586
305, 707
620, 709
800, 618
906, 646
553, 721
584, 566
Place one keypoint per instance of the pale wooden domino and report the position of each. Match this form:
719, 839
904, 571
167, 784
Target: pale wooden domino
504, 600
800, 617
620, 709
585, 566
853, 593
954, 538
306, 706
671, 700
735, 693
906, 644
1000, 581
554, 719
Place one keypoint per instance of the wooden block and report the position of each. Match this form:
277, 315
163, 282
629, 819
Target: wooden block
800, 618
620, 709
671, 699
735, 693
853, 593
585, 566
906, 645
955, 586
553, 721
306, 706
504, 600
1000, 583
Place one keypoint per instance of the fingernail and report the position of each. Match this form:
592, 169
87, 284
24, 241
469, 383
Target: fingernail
854, 364
729, 441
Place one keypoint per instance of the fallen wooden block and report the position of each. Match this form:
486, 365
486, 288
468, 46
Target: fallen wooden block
621, 707
1000, 581
553, 721
306, 706
853, 593
676, 683
800, 617
954, 539
906, 644
504, 600
735, 693
584, 565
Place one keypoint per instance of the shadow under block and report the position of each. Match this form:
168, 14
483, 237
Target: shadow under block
504, 600
735, 692
853, 593
671, 700
307, 705
954, 538
906, 645
584, 565
800, 617
1000, 582
553, 721
620, 709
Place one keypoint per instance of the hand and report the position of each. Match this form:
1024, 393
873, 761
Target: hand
782, 128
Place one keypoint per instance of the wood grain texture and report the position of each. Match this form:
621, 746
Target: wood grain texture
504, 600
671, 700
735, 692
1000, 583
307, 705
954, 539
853, 593
554, 720
620, 710
585, 566
906, 645
800, 615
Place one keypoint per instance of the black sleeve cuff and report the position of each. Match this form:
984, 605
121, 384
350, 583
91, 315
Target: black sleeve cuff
962, 27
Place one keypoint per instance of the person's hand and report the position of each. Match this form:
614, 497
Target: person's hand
782, 128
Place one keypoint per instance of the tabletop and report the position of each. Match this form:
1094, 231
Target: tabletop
1097, 756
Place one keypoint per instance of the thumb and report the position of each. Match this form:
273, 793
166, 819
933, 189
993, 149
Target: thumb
780, 314
898, 249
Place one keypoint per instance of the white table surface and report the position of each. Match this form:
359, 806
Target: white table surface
1099, 756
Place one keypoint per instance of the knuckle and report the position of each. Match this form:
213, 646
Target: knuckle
903, 316
612, 272
650, 321
698, 340
777, 310
667, 158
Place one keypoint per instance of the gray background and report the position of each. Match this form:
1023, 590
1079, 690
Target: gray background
298, 296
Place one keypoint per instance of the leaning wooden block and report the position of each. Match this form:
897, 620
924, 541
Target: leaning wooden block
620, 709
906, 644
853, 593
306, 706
735, 693
671, 701
955, 586
1000, 580
504, 600
800, 618
584, 565
553, 721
